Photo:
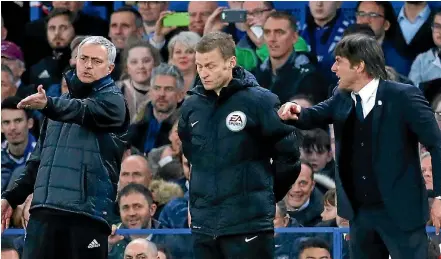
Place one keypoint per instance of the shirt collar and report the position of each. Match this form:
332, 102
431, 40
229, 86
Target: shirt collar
304, 206
18, 83
424, 14
368, 90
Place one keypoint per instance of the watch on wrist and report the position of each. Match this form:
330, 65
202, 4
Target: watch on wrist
438, 197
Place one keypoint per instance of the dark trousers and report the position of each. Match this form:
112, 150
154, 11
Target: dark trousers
51, 236
244, 246
373, 234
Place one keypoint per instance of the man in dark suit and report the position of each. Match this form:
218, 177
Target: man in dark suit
377, 126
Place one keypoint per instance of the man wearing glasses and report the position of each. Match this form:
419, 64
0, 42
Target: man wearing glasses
150, 11
247, 47
380, 16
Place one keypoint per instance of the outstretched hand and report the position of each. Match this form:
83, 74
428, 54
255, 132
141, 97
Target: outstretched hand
36, 101
289, 111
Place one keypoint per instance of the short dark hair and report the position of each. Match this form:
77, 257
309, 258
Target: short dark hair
11, 103
329, 197
217, 40
283, 15
389, 15
313, 242
165, 250
386, 5
316, 140
58, 12
138, 17
306, 163
359, 28
269, 4
359, 47
135, 188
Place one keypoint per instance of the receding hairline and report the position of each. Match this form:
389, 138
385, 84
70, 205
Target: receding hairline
79, 48
137, 159
148, 245
281, 18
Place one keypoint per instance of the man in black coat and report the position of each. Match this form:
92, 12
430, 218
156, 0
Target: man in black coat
73, 172
377, 126
230, 130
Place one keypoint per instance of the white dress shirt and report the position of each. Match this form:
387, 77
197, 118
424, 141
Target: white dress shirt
367, 95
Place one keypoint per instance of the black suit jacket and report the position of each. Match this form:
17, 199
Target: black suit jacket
402, 118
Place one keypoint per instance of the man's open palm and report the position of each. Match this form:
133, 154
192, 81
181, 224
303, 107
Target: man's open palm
36, 101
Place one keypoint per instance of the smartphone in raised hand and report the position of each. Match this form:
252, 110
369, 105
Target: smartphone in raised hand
234, 16
181, 19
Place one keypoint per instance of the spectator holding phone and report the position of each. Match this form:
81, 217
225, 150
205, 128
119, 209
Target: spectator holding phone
198, 13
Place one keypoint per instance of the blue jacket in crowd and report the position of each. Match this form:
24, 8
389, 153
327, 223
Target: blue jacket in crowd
10, 163
323, 40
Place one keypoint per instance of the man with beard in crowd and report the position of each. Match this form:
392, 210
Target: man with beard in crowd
60, 33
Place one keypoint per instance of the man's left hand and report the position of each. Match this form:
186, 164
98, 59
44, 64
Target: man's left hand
36, 101
435, 214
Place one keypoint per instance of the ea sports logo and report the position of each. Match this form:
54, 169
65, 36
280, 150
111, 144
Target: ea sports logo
236, 121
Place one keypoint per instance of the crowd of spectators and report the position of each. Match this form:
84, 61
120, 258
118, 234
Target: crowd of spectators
155, 67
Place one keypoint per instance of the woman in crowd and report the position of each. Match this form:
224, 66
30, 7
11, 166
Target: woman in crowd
182, 54
138, 60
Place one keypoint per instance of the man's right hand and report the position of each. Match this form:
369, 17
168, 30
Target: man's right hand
214, 22
6, 214
113, 238
289, 111
160, 30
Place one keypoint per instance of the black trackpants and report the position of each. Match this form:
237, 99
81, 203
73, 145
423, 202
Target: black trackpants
51, 235
244, 246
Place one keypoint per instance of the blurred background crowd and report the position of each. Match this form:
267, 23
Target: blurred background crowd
288, 46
